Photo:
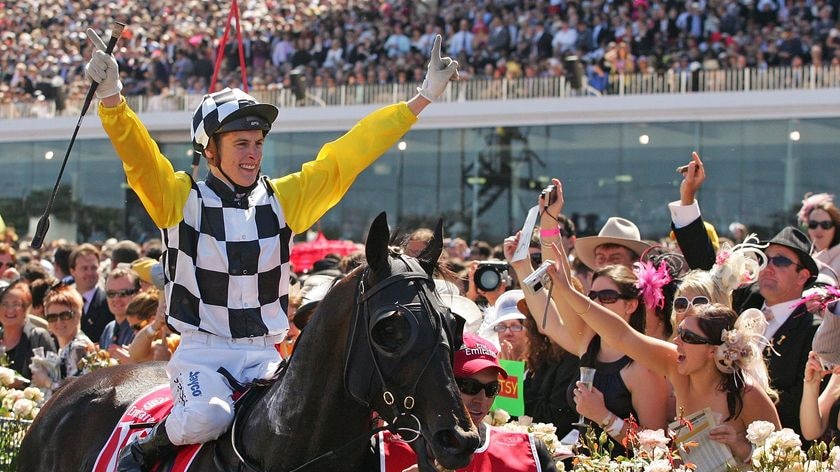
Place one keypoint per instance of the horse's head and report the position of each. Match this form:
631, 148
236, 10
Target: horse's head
399, 358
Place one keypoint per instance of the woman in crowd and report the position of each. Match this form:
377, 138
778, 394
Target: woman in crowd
818, 412
700, 364
153, 341
621, 387
550, 372
821, 217
63, 311
19, 337
507, 324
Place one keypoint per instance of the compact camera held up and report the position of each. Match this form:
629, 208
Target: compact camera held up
549, 195
490, 274
539, 278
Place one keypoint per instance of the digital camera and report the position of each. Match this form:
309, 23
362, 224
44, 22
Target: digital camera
490, 274
549, 194
538, 278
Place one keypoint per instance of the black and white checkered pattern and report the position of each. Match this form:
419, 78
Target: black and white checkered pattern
213, 110
225, 265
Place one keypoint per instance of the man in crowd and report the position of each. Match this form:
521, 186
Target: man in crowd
84, 267
790, 270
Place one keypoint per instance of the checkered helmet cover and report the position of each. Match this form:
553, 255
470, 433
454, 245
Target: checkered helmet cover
226, 105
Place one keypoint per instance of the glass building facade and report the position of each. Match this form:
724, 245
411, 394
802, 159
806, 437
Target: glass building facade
480, 180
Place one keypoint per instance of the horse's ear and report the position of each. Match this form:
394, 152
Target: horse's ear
376, 246
431, 253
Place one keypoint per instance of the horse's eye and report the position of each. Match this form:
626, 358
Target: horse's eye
391, 333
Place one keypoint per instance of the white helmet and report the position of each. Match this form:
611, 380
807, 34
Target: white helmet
229, 110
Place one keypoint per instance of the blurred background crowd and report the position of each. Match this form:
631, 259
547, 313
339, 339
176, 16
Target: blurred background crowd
170, 47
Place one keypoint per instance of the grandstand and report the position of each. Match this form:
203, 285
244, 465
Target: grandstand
759, 102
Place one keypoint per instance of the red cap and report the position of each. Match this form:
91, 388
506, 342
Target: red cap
476, 355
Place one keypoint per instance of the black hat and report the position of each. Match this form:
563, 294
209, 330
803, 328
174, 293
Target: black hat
798, 242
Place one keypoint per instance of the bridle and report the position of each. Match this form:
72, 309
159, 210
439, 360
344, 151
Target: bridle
362, 339
359, 378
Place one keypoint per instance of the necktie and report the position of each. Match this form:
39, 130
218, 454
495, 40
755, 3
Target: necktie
768, 314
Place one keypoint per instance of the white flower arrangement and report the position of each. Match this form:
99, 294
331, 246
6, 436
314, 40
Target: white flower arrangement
18, 404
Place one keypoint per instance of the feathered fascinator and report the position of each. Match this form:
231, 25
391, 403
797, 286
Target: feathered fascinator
738, 266
812, 201
650, 281
741, 350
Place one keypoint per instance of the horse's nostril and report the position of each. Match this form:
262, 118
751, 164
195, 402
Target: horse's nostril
454, 442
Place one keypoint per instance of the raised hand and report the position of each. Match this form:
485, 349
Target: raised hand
102, 68
693, 176
550, 211
440, 71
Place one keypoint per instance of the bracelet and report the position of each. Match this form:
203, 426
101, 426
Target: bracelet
612, 424
549, 233
615, 428
588, 306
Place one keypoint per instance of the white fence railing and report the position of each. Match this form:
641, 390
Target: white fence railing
670, 82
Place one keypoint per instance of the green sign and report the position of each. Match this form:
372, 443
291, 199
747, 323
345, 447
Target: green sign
510, 396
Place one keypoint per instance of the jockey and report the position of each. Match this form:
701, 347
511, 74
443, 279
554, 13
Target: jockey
228, 237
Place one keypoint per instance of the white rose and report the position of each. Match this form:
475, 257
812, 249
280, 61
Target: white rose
23, 408
33, 393
659, 465
7, 376
500, 417
525, 420
649, 440
785, 439
759, 431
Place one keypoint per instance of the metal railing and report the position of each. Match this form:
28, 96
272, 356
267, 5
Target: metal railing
670, 82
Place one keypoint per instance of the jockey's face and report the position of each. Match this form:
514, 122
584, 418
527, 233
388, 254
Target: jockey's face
240, 153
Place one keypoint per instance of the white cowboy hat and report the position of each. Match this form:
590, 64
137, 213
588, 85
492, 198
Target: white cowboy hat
615, 231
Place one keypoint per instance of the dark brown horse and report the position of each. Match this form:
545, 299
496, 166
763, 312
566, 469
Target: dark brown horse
380, 341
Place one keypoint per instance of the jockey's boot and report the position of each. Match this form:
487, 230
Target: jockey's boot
140, 455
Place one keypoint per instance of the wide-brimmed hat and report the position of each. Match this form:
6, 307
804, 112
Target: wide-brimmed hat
507, 308
801, 244
616, 231
476, 355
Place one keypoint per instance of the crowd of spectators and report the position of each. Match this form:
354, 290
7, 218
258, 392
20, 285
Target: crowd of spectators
170, 47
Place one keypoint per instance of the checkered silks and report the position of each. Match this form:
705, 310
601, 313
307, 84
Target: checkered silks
228, 268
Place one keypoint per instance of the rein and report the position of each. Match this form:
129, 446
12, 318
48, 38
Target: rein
399, 411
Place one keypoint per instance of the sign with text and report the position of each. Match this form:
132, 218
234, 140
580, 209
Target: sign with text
510, 397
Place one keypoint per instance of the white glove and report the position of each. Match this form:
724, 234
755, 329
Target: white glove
103, 68
440, 71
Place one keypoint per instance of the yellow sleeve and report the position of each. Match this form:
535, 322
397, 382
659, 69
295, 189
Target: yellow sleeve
309, 193
150, 174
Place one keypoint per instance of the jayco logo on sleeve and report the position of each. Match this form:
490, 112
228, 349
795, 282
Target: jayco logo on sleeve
193, 384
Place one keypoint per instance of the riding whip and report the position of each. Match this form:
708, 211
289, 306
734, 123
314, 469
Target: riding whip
44, 222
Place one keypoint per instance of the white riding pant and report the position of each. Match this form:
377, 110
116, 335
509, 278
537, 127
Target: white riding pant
203, 408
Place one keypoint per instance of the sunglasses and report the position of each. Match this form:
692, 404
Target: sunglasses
828, 224
500, 328
121, 293
63, 316
782, 262
12, 264
606, 296
682, 303
139, 326
472, 387
693, 338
